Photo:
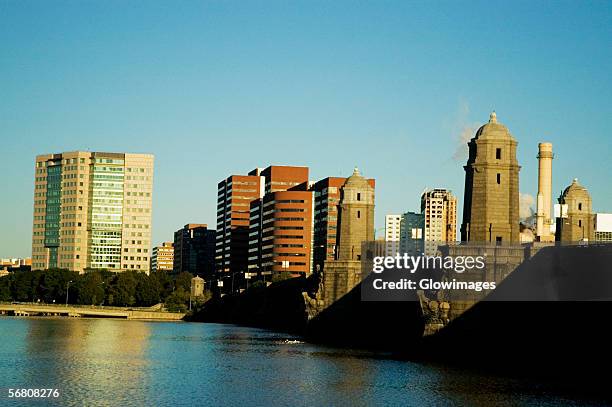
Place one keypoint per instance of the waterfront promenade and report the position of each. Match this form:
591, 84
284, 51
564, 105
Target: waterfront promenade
151, 313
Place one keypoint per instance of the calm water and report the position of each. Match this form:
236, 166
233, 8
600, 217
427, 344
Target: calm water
124, 363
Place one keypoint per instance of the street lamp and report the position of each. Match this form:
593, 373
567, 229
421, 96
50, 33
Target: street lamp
67, 288
233, 274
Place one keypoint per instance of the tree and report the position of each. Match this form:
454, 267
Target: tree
52, 284
126, 289
23, 285
164, 282
5, 289
177, 301
90, 289
147, 290
183, 280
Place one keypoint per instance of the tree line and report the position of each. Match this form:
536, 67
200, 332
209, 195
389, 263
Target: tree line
125, 289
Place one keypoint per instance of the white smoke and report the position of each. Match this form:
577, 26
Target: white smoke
526, 206
466, 134
463, 132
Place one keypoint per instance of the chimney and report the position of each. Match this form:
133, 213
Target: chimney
544, 199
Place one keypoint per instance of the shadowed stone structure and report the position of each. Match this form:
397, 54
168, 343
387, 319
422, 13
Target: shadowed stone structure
491, 204
355, 226
576, 221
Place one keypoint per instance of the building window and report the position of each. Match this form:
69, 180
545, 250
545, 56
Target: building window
358, 214
498, 240
498, 178
580, 223
580, 206
498, 153
359, 196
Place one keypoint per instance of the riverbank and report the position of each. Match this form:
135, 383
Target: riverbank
89, 312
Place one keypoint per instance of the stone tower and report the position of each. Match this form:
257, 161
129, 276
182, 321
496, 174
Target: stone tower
355, 226
197, 287
576, 221
355, 217
491, 203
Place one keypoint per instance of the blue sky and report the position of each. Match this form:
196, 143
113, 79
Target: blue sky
215, 88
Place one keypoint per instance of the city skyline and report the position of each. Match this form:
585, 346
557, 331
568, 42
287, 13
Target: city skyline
302, 92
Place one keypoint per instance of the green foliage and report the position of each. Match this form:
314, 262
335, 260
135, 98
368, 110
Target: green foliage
99, 287
147, 290
52, 285
178, 300
165, 284
90, 289
5, 289
126, 289
183, 280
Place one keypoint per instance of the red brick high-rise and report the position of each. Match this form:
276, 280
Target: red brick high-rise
234, 196
281, 223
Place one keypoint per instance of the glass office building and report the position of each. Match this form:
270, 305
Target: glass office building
92, 211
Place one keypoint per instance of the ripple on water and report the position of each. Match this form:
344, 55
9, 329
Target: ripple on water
125, 363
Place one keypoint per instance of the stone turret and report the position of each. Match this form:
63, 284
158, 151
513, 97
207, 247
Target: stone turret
575, 223
355, 217
491, 204
355, 226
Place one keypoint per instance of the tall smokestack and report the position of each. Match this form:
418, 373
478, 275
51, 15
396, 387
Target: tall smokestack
545, 157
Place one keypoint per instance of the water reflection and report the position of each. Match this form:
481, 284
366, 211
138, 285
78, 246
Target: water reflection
96, 357
114, 362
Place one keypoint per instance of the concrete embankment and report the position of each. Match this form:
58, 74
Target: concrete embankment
89, 312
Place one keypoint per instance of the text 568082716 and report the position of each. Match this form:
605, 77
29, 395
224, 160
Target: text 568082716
33, 393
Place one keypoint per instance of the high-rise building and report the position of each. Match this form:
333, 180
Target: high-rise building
92, 210
439, 208
234, 196
327, 198
194, 250
392, 234
162, 258
280, 230
575, 220
491, 204
412, 226
603, 227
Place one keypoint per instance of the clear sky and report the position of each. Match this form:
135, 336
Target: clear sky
220, 87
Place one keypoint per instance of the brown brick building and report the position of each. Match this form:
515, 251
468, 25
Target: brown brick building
234, 196
280, 231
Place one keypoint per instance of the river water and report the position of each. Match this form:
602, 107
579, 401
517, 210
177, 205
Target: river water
123, 363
